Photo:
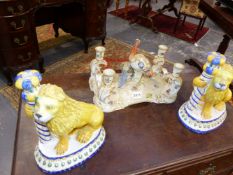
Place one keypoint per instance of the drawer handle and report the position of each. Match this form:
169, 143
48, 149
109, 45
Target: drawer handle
12, 10
21, 57
209, 170
14, 25
17, 40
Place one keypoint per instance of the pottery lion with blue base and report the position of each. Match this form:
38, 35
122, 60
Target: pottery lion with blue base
69, 131
206, 109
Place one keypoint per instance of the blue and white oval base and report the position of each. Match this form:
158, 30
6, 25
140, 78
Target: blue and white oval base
193, 120
78, 153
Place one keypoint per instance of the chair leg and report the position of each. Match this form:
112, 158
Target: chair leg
117, 2
176, 25
126, 7
140, 4
198, 28
203, 22
184, 20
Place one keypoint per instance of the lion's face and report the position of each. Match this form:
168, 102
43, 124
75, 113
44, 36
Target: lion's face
46, 108
222, 80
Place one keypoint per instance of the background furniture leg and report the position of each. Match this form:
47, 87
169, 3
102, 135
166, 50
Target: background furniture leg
203, 22
126, 7
7, 74
41, 65
183, 20
55, 28
169, 7
86, 44
224, 44
198, 28
117, 2
103, 41
177, 23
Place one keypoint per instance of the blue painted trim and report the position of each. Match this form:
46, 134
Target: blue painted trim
190, 102
194, 130
199, 92
43, 134
42, 129
202, 121
40, 124
196, 96
194, 100
75, 166
209, 78
52, 158
43, 138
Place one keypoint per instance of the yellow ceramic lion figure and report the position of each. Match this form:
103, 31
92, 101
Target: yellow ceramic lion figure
218, 91
64, 116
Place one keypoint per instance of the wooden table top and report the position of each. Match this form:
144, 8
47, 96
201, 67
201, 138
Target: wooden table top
140, 139
220, 15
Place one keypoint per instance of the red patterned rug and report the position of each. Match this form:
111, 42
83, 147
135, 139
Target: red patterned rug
163, 23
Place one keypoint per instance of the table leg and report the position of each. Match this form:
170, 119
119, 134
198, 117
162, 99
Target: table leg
224, 44
169, 7
7, 73
145, 9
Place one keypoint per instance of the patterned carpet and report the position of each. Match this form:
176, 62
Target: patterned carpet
163, 23
116, 53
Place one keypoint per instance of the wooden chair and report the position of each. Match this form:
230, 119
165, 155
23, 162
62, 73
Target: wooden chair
117, 2
190, 8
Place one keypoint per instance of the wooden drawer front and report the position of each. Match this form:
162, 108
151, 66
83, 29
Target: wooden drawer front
222, 165
13, 8
17, 57
16, 40
15, 24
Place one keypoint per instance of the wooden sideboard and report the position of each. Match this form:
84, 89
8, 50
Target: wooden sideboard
141, 139
18, 19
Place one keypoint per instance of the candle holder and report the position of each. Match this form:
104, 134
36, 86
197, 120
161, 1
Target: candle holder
138, 82
69, 131
206, 110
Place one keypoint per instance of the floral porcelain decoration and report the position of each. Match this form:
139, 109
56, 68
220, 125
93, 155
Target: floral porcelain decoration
138, 82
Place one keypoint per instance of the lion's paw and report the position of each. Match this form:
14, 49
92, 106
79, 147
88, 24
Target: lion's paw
61, 148
84, 136
206, 114
220, 106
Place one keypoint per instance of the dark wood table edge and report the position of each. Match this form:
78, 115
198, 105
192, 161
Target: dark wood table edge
185, 162
16, 136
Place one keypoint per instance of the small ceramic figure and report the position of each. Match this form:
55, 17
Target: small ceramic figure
135, 84
159, 60
206, 109
69, 131
96, 75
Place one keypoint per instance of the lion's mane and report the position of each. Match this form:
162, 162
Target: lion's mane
70, 113
215, 96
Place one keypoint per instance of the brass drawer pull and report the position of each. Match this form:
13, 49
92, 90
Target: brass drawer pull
29, 56
17, 40
209, 170
14, 25
11, 10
